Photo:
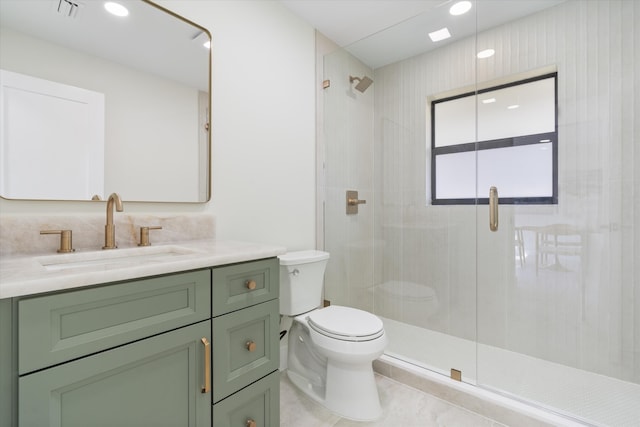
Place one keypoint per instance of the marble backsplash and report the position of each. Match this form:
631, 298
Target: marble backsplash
20, 234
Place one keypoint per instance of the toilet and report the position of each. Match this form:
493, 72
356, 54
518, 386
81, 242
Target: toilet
331, 349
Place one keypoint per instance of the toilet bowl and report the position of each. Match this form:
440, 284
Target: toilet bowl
332, 364
331, 349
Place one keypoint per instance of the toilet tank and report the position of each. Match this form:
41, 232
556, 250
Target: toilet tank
301, 280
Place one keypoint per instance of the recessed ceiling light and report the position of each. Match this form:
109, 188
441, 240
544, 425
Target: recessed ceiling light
460, 8
545, 140
116, 9
486, 53
488, 100
513, 107
441, 34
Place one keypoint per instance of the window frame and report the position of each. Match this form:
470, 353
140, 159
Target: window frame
508, 142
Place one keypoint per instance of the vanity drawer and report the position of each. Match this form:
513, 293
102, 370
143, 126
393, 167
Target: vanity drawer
60, 327
260, 402
242, 285
245, 347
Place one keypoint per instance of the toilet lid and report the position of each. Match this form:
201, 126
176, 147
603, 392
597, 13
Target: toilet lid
346, 323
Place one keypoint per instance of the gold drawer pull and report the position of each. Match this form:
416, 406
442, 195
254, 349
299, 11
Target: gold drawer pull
251, 346
207, 366
250, 284
251, 423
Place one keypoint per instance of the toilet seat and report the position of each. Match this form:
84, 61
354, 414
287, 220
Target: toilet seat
346, 323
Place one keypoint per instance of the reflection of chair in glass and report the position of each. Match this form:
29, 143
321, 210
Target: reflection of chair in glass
557, 240
519, 244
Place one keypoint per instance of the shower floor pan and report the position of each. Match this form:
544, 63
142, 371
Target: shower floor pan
596, 399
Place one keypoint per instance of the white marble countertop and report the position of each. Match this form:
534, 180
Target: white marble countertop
33, 274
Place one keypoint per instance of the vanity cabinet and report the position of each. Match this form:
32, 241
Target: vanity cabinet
246, 351
130, 353
196, 348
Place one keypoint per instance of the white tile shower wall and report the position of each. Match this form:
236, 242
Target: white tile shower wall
586, 317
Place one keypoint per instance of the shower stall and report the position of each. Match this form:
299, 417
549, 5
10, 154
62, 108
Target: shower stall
546, 308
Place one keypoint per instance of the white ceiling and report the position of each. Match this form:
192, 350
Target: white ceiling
149, 39
379, 32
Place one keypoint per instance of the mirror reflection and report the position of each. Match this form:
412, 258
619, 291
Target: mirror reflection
94, 103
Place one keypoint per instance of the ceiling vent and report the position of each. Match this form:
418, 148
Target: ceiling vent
68, 8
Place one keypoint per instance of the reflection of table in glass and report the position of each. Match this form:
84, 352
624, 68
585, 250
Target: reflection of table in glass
554, 241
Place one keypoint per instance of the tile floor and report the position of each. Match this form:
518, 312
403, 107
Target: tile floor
403, 406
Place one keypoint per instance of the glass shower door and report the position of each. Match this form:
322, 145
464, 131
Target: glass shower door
558, 308
347, 153
402, 258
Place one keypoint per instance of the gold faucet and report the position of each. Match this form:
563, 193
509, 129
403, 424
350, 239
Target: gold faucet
110, 228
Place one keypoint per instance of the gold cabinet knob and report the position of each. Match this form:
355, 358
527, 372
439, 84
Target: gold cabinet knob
251, 346
251, 284
251, 423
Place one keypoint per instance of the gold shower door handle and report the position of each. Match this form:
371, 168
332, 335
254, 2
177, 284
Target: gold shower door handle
493, 209
207, 366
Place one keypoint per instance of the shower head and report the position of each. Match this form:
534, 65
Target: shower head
363, 83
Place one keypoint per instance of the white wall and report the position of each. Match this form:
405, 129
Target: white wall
263, 126
145, 115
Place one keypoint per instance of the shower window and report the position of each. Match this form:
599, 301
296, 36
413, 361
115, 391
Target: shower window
504, 136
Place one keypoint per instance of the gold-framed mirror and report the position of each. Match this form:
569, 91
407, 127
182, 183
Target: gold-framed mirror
121, 104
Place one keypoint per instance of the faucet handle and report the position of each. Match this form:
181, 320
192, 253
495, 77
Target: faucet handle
144, 235
66, 244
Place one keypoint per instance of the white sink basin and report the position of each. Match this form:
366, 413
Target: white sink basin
114, 257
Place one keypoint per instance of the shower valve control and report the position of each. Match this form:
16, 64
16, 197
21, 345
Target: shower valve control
353, 202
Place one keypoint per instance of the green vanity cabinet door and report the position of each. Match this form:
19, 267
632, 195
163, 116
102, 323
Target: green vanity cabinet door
59, 327
8, 361
242, 285
154, 382
246, 347
259, 402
